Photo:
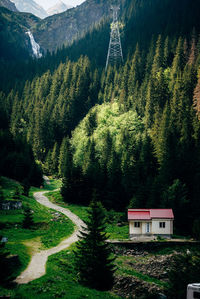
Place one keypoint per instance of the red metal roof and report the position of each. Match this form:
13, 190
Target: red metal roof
147, 214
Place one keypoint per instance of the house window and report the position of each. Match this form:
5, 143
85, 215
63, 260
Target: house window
162, 224
137, 224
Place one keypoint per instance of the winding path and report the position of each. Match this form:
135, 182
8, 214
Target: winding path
37, 265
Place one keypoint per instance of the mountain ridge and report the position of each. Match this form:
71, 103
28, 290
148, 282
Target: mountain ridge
61, 29
59, 7
30, 6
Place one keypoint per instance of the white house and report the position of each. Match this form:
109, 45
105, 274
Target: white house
150, 222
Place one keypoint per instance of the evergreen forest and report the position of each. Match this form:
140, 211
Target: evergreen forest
130, 133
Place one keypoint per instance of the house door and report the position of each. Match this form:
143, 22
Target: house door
147, 227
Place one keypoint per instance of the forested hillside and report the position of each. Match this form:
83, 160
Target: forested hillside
130, 133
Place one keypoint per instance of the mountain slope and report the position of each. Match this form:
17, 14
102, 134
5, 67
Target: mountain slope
31, 7
60, 29
15, 44
58, 8
8, 4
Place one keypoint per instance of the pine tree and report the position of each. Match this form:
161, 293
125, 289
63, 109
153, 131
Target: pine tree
196, 97
166, 54
28, 221
157, 62
54, 159
63, 156
92, 258
178, 62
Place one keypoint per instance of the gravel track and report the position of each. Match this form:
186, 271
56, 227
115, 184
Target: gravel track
37, 265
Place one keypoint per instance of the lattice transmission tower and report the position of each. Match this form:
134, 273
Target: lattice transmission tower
115, 54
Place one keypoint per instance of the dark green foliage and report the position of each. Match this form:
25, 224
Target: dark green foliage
151, 154
1, 194
176, 198
196, 229
13, 38
92, 257
17, 160
51, 106
63, 157
26, 187
28, 221
18, 193
8, 264
185, 269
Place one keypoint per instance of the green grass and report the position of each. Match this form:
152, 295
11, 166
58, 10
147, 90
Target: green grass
61, 279
177, 248
80, 211
54, 184
59, 282
112, 229
117, 232
9, 187
48, 231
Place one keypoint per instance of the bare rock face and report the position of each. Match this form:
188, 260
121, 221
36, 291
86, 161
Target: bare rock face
30, 6
57, 30
8, 4
58, 8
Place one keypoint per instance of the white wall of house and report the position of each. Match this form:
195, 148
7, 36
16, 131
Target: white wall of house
167, 230
135, 230
146, 227
152, 228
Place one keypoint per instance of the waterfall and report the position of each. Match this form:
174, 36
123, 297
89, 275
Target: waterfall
35, 46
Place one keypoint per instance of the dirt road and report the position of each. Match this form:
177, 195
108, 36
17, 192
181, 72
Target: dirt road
37, 265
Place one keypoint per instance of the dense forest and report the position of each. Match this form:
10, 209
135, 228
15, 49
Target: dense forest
130, 133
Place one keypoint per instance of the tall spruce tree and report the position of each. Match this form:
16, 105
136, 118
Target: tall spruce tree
28, 221
92, 258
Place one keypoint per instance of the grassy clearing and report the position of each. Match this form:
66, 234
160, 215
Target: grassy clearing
59, 282
54, 184
48, 231
113, 230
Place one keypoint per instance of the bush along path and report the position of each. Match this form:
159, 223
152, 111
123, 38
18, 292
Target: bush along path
37, 265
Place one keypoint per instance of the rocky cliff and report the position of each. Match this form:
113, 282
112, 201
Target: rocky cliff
58, 8
31, 7
52, 32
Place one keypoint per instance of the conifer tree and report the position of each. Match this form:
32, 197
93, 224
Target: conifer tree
157, 62
28, 221
92, 258
134, 74
178, 62
54, 159
64, 150
196, 97
166, 54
